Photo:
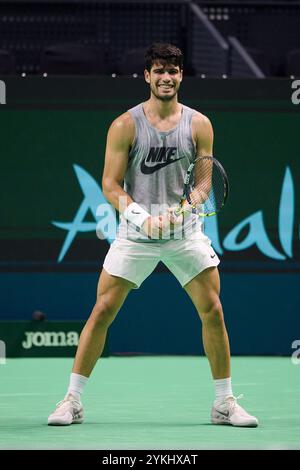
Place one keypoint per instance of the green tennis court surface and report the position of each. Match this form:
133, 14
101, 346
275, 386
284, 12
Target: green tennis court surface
149, 403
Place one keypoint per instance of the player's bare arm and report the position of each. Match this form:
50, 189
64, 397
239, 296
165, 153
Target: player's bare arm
203, 138
203, 135
120, 138
119, 141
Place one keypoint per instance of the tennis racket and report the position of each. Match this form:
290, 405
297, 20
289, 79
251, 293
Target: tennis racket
205, 188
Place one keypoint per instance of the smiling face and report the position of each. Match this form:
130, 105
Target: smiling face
164, 80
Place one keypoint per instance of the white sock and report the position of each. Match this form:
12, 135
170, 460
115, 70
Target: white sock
76, 385
222, 389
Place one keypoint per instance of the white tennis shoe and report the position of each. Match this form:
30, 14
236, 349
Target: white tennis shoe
229, 412
68, 411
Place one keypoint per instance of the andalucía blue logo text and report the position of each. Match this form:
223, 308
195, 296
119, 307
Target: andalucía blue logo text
105, 215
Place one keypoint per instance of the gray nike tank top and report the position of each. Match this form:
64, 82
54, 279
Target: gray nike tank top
157, 164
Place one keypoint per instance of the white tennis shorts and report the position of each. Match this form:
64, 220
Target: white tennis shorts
135, 261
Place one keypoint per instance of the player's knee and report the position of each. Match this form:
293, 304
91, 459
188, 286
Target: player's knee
213, 312
103, 312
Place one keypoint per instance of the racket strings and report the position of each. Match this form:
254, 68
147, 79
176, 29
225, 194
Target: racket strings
207, 189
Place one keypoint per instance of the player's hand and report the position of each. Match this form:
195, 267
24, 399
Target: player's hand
153, 226
178, 219
173, 218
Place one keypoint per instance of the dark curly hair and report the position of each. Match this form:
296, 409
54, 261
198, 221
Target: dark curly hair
164, 53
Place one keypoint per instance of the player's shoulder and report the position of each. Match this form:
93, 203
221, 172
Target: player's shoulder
200, 120
123, 126
123, 122
201, 127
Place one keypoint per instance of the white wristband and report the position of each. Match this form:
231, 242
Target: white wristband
135, 214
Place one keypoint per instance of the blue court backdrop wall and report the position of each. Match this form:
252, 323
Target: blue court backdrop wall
53, 134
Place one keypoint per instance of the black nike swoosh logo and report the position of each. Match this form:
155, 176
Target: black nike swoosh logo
148, 170
134, 212
212, 256
224, 414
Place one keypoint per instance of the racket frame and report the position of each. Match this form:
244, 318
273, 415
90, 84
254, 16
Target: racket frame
186, 184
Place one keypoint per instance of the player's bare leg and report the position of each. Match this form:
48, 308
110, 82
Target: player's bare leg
111, 293
204, 292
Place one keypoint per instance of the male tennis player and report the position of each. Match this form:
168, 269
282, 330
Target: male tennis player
149, 149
